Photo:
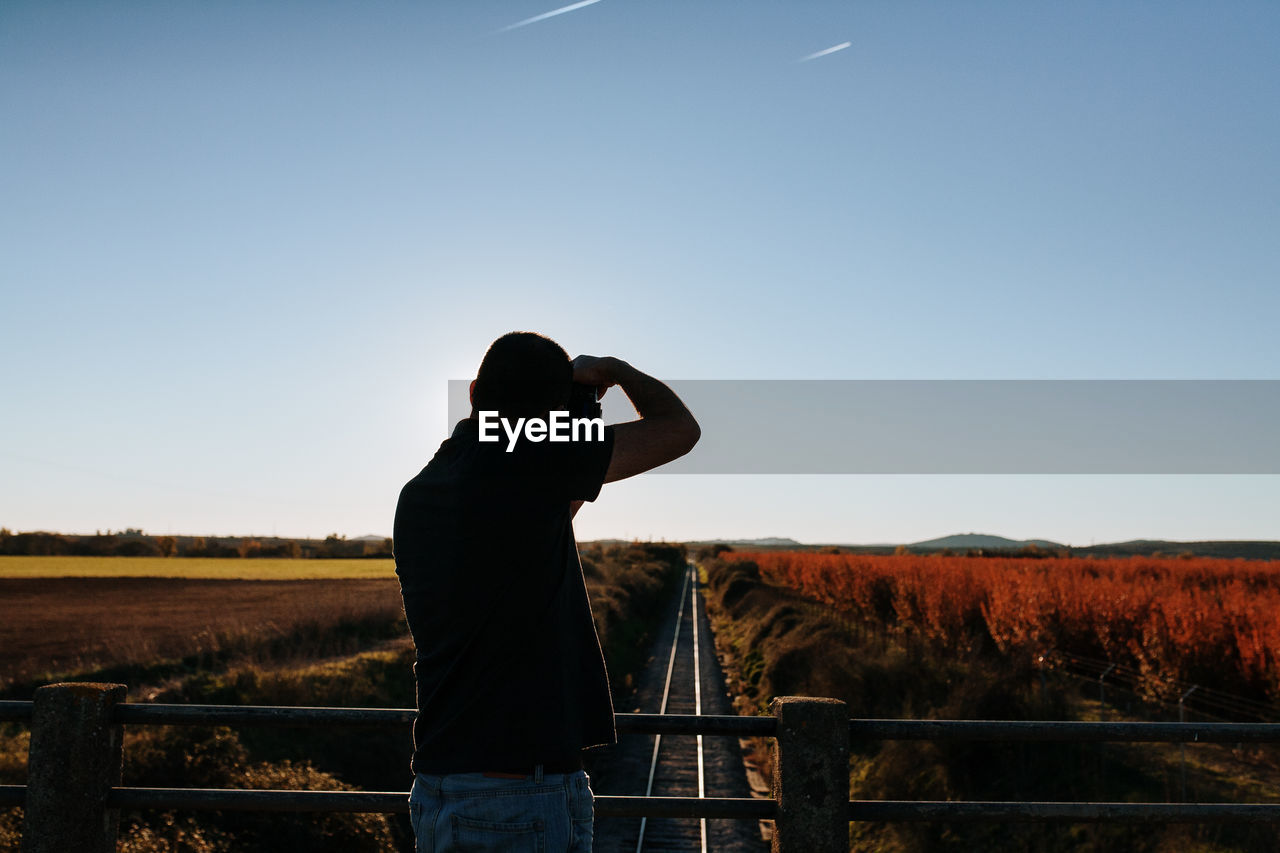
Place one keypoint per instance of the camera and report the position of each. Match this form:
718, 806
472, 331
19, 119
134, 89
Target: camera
584, 401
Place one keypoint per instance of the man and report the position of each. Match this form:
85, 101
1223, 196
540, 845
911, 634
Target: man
511, 681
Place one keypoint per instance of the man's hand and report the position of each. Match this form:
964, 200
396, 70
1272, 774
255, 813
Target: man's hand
665, 431
600, 372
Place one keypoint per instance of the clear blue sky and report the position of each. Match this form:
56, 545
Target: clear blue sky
243, 245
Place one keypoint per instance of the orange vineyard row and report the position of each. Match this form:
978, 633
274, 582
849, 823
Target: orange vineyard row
1208, 621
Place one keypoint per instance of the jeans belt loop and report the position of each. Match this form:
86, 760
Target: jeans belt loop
537, 774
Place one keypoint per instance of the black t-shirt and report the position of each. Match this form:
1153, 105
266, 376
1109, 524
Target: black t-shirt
509, 669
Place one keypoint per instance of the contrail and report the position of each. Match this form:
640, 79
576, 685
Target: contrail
825, 52
527, 21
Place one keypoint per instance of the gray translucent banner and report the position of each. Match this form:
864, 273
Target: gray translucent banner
970, 426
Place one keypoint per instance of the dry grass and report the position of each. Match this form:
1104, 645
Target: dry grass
60, 626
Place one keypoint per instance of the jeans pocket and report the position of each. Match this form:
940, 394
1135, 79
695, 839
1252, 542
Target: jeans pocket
581, 803
582, 835
415, 820
581, 815
475, 834
423, 817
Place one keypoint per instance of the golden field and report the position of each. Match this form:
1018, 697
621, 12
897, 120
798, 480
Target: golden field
193, 568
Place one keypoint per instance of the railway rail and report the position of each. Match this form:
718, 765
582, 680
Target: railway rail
683, 677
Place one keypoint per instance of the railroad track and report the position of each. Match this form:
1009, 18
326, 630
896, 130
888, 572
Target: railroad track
683, 677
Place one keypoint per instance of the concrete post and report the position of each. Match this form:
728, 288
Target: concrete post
811, 775
74, 761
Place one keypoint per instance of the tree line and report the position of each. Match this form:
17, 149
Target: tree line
133, 542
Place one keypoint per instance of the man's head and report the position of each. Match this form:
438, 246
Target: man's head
523, 375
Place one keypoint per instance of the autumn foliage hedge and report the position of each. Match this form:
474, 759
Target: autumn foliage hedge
1208, 621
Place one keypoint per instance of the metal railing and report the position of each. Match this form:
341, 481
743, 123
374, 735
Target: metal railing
74, 793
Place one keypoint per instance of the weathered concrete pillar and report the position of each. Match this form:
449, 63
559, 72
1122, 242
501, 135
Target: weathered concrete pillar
75, 759
811, 775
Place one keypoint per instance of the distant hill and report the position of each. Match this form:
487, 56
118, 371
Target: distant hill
765, 542
961, 543
1248, 549
964, 541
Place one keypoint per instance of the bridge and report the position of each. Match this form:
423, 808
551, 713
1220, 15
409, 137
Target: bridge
73, 793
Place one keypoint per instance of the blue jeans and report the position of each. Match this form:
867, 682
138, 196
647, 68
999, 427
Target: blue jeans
540, 813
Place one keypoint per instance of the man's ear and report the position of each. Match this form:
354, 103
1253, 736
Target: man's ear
471, 393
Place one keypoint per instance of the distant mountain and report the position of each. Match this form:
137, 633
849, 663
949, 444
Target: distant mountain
370, 537
765, 542
964, 541
1227, 549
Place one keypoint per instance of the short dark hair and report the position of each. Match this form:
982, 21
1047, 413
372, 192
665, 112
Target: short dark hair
523, 375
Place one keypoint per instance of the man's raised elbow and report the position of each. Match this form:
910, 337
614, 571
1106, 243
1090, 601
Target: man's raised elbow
690, 432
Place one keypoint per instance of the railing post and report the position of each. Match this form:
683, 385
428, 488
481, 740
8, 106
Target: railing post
74, 761
811, 775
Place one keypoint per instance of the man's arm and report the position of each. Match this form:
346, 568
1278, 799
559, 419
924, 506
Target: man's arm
665, 431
